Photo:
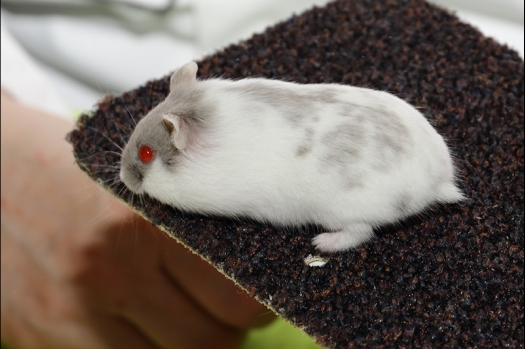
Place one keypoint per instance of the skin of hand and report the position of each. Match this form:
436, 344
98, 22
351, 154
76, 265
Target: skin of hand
80, 270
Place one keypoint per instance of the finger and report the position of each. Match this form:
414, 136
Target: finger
109, 331
138, 289
171, 319
39, 312
212, 290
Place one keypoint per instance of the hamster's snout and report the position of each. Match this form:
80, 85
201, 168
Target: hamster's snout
122, 176
132, 178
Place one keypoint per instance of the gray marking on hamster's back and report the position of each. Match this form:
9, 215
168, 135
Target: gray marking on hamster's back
344, 144
373, 127
365, 127
296, 101
394, 134
389, 136
308, 143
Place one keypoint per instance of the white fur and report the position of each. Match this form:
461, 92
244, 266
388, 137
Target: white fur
246, 164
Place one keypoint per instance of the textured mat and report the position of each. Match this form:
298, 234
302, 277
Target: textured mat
452, 278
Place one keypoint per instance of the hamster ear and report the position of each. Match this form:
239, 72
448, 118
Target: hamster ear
178, 130
187, 74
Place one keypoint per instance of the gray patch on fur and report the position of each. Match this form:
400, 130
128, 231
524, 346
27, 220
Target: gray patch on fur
375, 129
354, 111
391, 131
308, 143
294, 102
389, 136
344, 145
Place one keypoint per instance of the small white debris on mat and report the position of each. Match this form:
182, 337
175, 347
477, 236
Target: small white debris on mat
315, 261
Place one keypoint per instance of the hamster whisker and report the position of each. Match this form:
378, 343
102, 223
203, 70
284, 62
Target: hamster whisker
110, 186
141, 199
105, 213
118, 131
99, 153
103, 135
122, 127
90, 195
138, 198
134, 198
113, 182
101, 170
120, 192
105, 166
131, 115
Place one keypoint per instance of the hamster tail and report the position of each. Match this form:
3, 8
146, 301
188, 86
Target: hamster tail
449, 193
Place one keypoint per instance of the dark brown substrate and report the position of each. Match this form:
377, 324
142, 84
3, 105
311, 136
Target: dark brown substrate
453, 278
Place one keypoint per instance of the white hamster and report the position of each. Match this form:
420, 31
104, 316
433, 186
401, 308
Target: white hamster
346, 158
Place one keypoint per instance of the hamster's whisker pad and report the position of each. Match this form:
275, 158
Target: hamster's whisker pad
302, 177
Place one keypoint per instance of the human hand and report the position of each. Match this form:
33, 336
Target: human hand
80, 270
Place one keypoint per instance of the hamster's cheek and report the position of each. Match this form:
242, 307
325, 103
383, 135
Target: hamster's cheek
157, 181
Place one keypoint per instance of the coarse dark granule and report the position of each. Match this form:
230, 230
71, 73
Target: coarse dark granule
452, 278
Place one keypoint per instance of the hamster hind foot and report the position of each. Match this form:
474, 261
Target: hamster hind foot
351, 236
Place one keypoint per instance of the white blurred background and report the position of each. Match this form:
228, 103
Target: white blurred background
64, 55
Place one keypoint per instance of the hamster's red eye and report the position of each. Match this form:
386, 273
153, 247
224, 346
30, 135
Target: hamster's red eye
146, 153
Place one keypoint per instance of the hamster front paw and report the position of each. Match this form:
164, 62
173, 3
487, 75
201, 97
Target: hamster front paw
350, 236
